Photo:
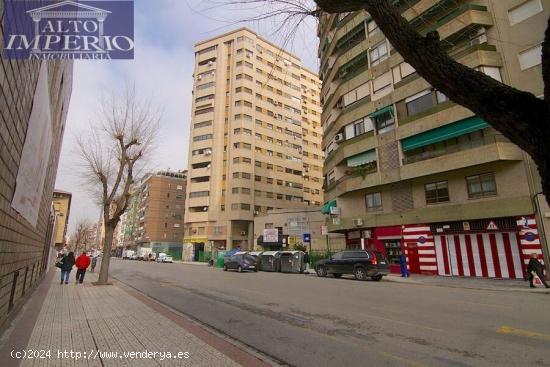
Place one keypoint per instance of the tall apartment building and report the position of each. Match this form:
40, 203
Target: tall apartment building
255, 138
62, 206
156, 214
409, 170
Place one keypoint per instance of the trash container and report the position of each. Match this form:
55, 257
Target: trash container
258, 256
221, 255
292, 262
270, 261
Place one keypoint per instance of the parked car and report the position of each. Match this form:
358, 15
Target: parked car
164, 258
240, 262
127, 254
361, 263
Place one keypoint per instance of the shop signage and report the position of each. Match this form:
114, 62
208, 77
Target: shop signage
367, 234
292, 240
334, 210
61, 30
421, 239
307, 237
466, 226
492, 226
271, 235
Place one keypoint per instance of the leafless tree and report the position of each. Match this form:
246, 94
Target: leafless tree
81, 235
520, 116
113, 154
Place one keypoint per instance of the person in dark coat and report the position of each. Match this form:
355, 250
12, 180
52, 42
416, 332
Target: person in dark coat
403, 265
535, 268
306, 262
67, 264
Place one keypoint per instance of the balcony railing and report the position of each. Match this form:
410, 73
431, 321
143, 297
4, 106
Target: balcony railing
460, 147
352, 172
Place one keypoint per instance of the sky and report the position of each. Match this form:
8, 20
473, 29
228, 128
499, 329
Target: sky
162, 69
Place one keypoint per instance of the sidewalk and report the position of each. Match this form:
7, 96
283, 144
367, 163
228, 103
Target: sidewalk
507, 285
102, 325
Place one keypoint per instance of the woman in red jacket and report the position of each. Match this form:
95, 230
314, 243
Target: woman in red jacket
82, 263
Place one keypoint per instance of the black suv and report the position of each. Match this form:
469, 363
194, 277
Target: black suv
361, 263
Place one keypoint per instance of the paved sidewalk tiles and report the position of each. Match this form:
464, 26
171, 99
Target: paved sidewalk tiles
115, 320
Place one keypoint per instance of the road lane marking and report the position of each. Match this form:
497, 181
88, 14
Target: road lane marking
406, 361
504, 329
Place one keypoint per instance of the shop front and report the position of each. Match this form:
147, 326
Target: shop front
490, 248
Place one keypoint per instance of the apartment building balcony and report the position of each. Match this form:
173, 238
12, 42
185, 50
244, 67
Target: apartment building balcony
196, 216
488, 149
199, 186
474, 210
355, 178
466, 18
200, 172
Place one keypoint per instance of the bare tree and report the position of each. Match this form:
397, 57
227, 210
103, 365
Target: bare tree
113, 154
520, 116
81, 235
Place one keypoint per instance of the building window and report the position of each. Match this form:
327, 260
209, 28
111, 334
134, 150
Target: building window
385, 122
393, 251
419, 103
530, 57
437, 192
203, 137
524, 11
199, 194
359, 128
378, 53
374, 202
481, 185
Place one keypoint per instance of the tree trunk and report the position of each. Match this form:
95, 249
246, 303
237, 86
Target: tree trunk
106, 257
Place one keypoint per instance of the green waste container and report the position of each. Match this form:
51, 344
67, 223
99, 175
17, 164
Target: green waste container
220, 259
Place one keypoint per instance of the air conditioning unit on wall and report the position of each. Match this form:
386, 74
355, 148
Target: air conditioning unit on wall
339, 138
243, 233
358, 222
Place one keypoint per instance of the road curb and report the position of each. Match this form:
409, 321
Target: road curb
478, 288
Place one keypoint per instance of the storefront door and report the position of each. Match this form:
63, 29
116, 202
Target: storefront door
493, 255
412, 254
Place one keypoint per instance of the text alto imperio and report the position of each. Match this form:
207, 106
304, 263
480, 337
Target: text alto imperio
75, 37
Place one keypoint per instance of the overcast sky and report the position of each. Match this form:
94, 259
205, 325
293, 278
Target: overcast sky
165, 32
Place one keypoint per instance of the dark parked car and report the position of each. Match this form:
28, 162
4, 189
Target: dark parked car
361, 263
240, 262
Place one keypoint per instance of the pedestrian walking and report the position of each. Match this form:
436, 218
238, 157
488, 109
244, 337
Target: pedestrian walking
534, 268
82, 263
66, 265
306, 261
403, 265
94, 263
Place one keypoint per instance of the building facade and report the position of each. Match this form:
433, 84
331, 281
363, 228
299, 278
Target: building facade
255, 138
156, 214
62, 205
407, 169
34, 101
305, 227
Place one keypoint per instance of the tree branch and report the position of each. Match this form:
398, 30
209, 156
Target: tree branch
519, 115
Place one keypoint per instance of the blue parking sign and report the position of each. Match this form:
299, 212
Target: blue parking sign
307, 237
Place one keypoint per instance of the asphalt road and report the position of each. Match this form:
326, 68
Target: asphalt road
303, 320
